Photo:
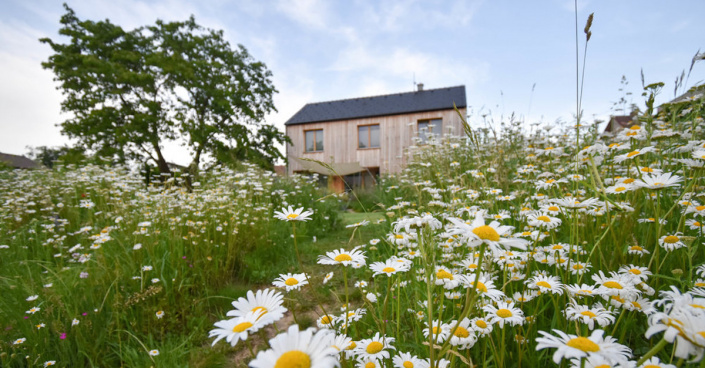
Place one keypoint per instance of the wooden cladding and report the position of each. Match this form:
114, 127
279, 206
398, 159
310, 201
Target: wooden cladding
338, 141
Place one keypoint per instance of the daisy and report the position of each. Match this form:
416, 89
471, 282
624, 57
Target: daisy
341, 342
493, 235
485, 286
637, 250
445, 277
656, 182
616, 284
326, 321
33, 310
296, 348
546, 284
49, 363
289, 214
441, 331
291, 281
354, 257
632, 154
389, 268
572, 346
504, 313
671, 242
406, 360
375, 348
655, 362
236, 329
351, 316
462, 333
641, 273
589, 315
543, 220
481, 325
369, 363
268, 301
153, 352
584, 290
19, 341
327, 277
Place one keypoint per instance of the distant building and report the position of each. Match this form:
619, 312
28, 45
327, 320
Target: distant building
19, 162
361, 138
620, 122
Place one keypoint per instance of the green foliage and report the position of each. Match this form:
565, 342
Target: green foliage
116, 252
131, 91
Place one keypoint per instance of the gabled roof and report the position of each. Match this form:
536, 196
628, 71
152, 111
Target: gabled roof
19, 162
394, 104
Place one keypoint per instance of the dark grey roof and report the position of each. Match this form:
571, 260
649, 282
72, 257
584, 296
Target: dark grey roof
395, 104
19, 162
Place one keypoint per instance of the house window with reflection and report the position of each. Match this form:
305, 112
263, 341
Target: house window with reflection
314, 140
430, 127
368, 136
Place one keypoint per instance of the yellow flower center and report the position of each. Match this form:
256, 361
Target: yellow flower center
443, 274
504, 313
553, 208
408, 364
543, 284
388, 269
291, 281
370, 365
612, 285
326, 320
635, 271
374, 347
481, 287
698, 306
242, 326
628, 181
486, 232
636, 248
257, 309
648, 169
399, 236
635, 127
636, 305
291, 217
589, 314
544, 218
671, 239
700, 208
342, 258
633, 153
481, 324
583, 344
293, 359
578, 266
620, 189
461, 332
352, 345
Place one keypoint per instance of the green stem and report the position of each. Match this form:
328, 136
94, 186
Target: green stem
658, 347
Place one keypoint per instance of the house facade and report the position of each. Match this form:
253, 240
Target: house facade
370, 135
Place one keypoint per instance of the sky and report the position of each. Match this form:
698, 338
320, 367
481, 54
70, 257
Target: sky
513, 57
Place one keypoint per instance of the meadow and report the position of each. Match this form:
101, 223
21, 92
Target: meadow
519, 247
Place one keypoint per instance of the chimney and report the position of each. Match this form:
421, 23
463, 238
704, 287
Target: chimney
420, 86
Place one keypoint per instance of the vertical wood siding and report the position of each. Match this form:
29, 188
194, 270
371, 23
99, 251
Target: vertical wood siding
340, 140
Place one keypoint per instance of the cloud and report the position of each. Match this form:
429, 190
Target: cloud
395, 16
309, 13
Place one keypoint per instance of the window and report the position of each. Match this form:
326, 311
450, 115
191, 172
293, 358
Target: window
314, 140
430, 127
368, 136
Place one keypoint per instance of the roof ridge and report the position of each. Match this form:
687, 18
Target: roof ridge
385, 95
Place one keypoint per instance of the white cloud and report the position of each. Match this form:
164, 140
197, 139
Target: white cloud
309, 13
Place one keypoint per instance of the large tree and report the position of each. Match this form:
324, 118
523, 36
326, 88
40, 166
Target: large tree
129, 92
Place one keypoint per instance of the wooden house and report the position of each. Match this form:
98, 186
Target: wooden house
361, 138
19, 162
